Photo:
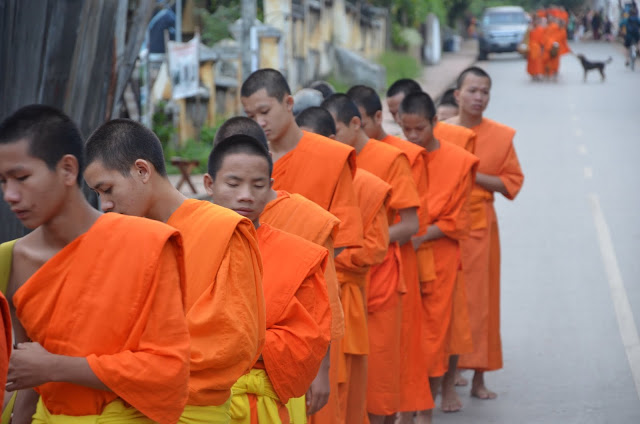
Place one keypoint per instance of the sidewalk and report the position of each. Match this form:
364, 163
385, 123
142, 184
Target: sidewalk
436, 79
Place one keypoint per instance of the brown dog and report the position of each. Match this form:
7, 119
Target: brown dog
588, 65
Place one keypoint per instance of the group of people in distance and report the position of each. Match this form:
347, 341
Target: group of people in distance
546, 42
339, 274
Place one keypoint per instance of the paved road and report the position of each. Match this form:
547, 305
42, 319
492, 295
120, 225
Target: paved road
579, 145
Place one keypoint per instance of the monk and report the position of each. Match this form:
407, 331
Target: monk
451, 176
447, 106
353, 267
321, 170
396, 93
297, 304
555, 46
535, 56
415, 394
498, 171
97, 298
298, 215
388, 283
223, 298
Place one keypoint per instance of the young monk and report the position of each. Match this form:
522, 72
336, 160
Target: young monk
298, 215
396, 93
353, 267
535, 56
298, 313
388, 283
447, 106
499, 171
414, 392
451, 174
308, 164
223, 298
97, 298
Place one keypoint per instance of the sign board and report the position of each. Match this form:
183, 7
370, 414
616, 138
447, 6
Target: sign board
184, 68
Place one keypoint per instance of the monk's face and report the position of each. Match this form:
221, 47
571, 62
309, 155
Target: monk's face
445, 112
35, 193
242, 184
274, 117
371, 125
416, 128
347, 133
393, 103
126, 194
473, 95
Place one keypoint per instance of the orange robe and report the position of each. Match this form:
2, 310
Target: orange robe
415, 395
460, 339
5, 340
353, 266
535, 65
298, 215
481, 251
389, 282
224, 298
452, 175
322, 170
113, 295
554, 34
298, 315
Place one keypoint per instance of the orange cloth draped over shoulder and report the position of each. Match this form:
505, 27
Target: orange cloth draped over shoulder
322, 170
298, 215
452, 176
535, 57
353, 266
113, 296
554, 34
224, 297
415, 395
5, 340
298, 314
396, 277
481, 251
455, 134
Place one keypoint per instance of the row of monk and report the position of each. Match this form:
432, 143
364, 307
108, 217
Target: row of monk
546, 41
335, 277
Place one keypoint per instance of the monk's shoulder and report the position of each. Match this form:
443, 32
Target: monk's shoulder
458, 154
127, 229
325, 147
307, 207
204, 217
289, 247
498, 130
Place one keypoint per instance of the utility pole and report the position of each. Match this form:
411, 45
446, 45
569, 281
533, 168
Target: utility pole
249, 13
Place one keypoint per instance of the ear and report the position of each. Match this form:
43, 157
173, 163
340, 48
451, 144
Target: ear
208, 184
332, 136
456, 94
142, 170
434, 121
288, 102
68, 166
355, 123
377, 117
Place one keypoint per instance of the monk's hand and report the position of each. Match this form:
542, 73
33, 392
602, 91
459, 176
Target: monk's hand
318, 393
29, 366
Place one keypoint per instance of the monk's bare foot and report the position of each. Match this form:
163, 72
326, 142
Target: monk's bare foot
450, 400
460, 380
423, 417
479, 389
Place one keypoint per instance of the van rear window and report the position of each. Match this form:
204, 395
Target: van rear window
505, 18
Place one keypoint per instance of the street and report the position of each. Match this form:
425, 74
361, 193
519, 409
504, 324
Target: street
570, 247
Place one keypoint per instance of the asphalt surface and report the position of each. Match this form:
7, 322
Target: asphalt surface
570, 245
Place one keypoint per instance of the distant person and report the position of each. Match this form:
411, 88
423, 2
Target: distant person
324, 87
631, 25
101, 332
447, 106
596, 25
535, 56
224, 303
498, 172
298, 319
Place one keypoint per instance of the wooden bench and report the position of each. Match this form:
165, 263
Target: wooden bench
185, 166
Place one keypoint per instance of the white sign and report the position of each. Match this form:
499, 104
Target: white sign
184, 68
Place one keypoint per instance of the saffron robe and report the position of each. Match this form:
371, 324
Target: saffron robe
535, 57
389, 281
224, 297
481, 251
322, 170
455, 134
415, 395
298, 215
113, 295
452, 176
353, 266
298, 321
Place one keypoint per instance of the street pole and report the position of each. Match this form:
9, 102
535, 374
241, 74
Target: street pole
249, 13
179, 21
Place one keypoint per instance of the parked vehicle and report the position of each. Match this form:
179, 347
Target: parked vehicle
501, 30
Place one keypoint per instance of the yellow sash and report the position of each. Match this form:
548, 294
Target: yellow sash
114, 412
255, 382
206, 414
297, 410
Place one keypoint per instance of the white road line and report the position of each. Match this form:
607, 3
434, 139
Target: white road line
588, 173
582, 149
624, 314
